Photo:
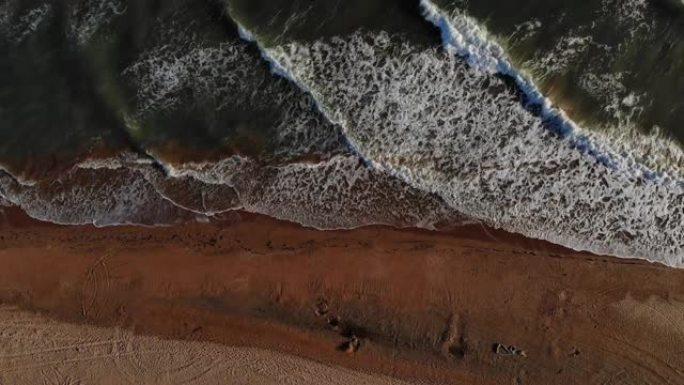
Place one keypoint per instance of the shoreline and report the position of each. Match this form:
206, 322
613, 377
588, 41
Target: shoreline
13, 217
450, 308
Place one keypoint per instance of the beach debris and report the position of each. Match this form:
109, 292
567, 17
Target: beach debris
458, 349
508, 350
321, 308
351, 346
335, 323
453, 337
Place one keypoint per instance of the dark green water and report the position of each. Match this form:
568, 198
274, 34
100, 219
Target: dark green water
155, 112
278, 21
62, 100
610, 63
594, 55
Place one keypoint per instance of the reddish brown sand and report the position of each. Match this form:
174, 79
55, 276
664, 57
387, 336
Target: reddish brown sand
37, 350
470, 306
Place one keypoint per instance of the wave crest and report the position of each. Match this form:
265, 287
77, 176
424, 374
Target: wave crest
451, 129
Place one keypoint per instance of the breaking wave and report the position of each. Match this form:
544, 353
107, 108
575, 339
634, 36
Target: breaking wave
336, 132
453, 129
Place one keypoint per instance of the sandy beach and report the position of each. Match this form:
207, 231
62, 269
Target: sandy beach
44, 351
466, 306
328, 192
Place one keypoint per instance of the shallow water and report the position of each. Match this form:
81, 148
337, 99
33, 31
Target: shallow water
537, 118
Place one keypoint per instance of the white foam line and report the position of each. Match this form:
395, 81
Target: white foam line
473, 45
276, 67
488, 57
469, 41
207, 213
625, 164
21, 181
279, 69
169, 170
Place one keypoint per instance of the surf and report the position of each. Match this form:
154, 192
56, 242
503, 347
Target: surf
581, 177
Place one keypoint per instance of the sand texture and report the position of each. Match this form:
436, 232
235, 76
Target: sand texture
236, 302
36, 350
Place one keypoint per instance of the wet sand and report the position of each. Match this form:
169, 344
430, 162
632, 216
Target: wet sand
469, 306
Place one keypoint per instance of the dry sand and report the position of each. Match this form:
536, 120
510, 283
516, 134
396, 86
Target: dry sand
36, 350
465, 307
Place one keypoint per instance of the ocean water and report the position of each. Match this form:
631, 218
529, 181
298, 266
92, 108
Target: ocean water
559, 120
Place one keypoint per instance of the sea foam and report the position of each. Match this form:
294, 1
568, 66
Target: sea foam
622, 144
451, 128
310, 176
465, 37
102, 197
402, 134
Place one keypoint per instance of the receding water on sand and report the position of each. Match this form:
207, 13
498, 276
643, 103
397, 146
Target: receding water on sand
553, 120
